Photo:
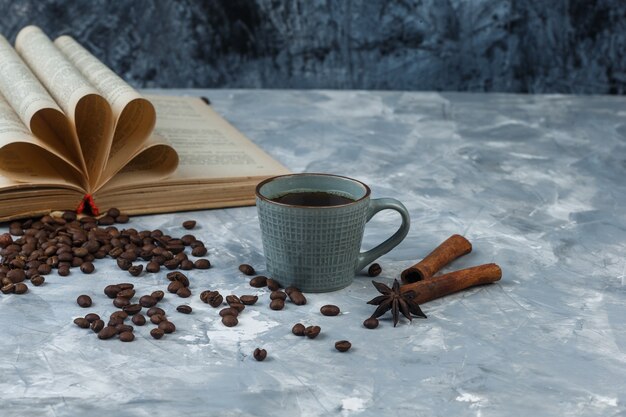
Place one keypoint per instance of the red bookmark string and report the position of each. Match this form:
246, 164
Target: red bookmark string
88, 203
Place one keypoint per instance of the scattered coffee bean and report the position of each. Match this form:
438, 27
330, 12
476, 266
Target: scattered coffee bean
185, 309
343, 345
167, 326
157, 333
5, 240
247, 269
297, 297
202, 264
229, 311
121, 327
20, 288
213, 298
139, 319
126, 286
8, 288
127, 336
232, 299
127, 293
97, 325
112, 290
124, 264
113, 212
44, 269
374, 270
16, 275
175, 286
184, 292
153, 267
249, 299
238, 306
272, 284
119, 314
121, 302
229, 320
312, 331
188, 265
278, 295
171, 264
37, 280
158, 295
107, 333
81, 322
178, 276
189, 224
199, 251
64, 270
290, 289
135, 270
91, 317
258, 281
87, 268
329, 310
132, 309
277, 304
84, 301
157, 318
371, 323
155, 310
259, 354
298, 329
147, 301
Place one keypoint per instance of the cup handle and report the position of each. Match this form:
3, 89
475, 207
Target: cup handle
375, 206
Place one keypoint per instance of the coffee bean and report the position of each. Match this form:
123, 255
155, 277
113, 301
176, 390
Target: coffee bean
97, 325
258, 281
249, 299
147, 301
124, 264
179, 277
139, 319
171, 264
374, 270
121, 302
202, 264
158, 295
188, 239
157, 333
128, 293
113, 212
185, 309
127, 336
187, 265
135, 270
272, 284
297, 297
107, 333
37, 280
277, 304
111, 291
8, 288
122, 218
81, 322
91, 317
229, 311
278, 295
343, 345
184, 292
5, 240
259, 354
121, 327
213, 298
229, 321
44, 269
189, 224
298, 329
312, 331
16, 275
290, 289
174, 286
126, 286
63, 270
119, 314
238, 306
155, 310
247, 269
157, 318
232, 299
87, 268
371, 323
132, 309
329, 310
84, 301
199, 251
167, 326
153, 267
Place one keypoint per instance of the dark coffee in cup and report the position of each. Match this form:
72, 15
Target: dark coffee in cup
313, 199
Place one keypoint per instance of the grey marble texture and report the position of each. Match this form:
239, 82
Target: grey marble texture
536, 183
537, 46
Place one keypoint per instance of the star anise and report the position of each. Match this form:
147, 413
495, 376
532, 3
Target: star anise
396, 301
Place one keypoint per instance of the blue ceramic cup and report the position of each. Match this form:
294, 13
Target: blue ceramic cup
317, 248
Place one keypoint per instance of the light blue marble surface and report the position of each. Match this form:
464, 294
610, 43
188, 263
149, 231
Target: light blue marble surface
536, 183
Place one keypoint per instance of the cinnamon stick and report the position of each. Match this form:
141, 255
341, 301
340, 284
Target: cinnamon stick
432, 288
454, 247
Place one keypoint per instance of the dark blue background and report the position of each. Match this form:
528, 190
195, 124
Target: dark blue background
537, 46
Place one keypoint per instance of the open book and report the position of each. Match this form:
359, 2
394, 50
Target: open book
74, 134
